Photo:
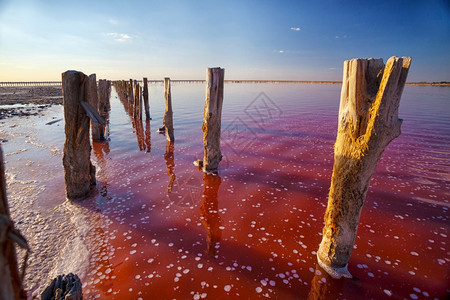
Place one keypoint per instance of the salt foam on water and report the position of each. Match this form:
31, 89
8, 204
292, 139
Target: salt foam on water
74, 257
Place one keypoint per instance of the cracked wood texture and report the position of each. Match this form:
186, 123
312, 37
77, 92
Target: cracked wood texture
368, 122
212, 117
168, 115
79, 173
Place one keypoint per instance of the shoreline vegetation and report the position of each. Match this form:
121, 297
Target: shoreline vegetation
58, 83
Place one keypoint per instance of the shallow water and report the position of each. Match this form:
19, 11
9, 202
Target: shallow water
157, 228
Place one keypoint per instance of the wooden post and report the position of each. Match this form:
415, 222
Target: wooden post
10, 280
130, 92
92, 98
368, 122
168, 115
140, 108
212, 116
79, 173
103, 99
136, 100
108, 95
147, 107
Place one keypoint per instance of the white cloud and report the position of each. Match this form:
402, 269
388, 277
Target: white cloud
295, 28
119, 37
112, 21
281, 51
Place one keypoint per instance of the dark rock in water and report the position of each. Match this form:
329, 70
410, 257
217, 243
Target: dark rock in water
64, 287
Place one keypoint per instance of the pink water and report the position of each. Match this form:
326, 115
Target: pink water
160, 229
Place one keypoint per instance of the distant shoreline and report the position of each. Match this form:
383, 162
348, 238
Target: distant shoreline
56, 83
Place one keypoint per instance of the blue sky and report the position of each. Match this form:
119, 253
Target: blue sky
296, 40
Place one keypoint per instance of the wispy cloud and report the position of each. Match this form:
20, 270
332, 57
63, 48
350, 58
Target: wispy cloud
119, 37
282, 51
295, 28
341, 36
113, 21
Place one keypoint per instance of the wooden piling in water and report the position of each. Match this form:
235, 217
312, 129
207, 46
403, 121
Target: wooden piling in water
146, 103
92, 98
168, 115
140, 108
130, 92
368, 122
136, 100
212, 117
79, 173
103, 100
10, 280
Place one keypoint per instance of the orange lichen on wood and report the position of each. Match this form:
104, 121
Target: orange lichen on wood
368, 122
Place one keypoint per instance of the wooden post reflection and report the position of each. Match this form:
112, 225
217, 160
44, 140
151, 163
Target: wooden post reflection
148, 142
169, 158
323, 286
138, 126
101, 149
209, 212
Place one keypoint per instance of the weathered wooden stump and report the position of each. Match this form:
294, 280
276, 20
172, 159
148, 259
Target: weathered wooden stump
103, 100
146, 103
10, 280
212, 117
66, 287
108, 95
368, 122
93, 99
130, 92
168, 114
79, 173
136, 103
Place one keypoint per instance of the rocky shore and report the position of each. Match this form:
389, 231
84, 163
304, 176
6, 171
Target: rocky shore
28, 100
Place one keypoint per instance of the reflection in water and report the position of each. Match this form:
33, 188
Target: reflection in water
168, 157
319, 284
209, 212
148, 142
138, 126
323, 286
101, 149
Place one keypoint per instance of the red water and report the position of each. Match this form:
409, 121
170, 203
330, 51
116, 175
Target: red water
252, 231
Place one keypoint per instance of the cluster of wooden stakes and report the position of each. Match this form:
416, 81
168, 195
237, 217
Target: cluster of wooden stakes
368, 122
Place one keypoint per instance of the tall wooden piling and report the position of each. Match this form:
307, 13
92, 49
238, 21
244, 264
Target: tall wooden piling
79, 173
103, 103
212, 117
130, 92
93, 99
10, 280
368, 122
137, 101
168, 115
146, 104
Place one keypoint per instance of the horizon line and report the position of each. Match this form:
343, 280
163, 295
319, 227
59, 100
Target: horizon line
50, 82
